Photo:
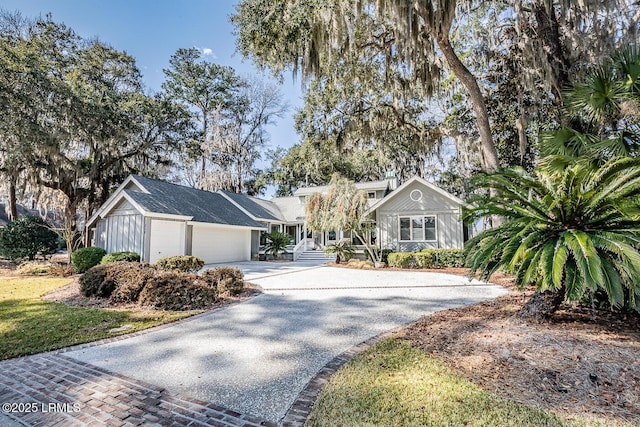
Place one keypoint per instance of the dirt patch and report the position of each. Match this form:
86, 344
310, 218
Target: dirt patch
581, 362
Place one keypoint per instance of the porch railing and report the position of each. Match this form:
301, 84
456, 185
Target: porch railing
298, 249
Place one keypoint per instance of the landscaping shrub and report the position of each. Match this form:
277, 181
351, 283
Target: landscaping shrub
361, 264
96, 282
183, 263
172, 290
129, 278
61, 270
423, 259
34, 268
428, 258
449, 258
384, 255
228, 280
27, 237
401, 259
120, 256
85, 258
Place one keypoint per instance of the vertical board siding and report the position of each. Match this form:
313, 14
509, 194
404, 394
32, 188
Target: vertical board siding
119, 233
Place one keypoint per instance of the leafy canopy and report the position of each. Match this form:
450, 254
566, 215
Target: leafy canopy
27, 237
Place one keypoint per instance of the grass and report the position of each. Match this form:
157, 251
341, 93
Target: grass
396, 384
29, 325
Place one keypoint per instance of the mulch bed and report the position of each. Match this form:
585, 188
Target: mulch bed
581, 361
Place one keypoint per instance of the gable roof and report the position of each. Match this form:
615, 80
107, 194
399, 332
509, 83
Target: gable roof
258, 209
163, 198
422, 181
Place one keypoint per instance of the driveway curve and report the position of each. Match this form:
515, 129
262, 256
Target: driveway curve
257, 356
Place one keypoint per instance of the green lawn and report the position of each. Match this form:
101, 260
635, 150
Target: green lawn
30, 325
396, 384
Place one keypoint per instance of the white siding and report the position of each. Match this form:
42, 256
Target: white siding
167, 239
215, 243
449, 225
121, 230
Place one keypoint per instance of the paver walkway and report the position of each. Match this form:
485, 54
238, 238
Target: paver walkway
244, 364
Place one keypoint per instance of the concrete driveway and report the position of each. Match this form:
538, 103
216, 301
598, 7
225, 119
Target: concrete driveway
257, 356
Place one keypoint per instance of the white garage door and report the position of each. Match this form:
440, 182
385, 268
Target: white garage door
221, 244
167, 239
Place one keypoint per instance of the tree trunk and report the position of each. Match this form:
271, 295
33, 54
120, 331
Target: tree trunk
489, 153
13, 206
548, 31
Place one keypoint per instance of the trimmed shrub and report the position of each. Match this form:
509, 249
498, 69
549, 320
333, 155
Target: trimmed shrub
228, 280
129, 278
423, 259
443, 258
85, 258
401, 260
428, 258
182, 263
27, 237
96, 282
172, 290
120, 256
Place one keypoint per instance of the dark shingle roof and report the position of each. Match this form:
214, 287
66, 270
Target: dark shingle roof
203, 206
262, 209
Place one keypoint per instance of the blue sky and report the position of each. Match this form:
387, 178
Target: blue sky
151, 31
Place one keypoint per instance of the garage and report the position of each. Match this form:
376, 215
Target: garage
167, 239
216, 243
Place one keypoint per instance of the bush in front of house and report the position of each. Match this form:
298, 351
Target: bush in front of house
172, 290
360, 264
428, 258
129, 278
120, 256
84, 258
401, 259
182, 263
96, 282
228, 280
27, 237
445, 258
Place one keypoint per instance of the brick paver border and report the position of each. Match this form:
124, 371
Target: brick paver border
112, 399
299, 411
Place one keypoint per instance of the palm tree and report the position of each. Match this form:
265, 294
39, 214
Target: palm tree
342, 249
605, 114
572, 233
276, 243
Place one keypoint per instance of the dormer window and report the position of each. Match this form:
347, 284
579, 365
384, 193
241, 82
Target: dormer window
371, 195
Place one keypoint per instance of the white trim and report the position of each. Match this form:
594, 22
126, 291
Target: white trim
424, 229
427, 184
106, 207
218, 225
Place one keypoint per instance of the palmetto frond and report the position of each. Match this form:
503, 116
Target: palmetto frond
578, 231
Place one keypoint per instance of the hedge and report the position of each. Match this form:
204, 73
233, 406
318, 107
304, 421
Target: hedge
85, 258
428, 258
182, 263
120, 256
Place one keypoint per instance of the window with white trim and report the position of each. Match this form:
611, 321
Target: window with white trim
417, 228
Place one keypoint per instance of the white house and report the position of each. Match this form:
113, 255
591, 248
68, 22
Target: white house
157, 219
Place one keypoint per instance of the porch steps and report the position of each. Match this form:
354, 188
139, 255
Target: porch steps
317, 255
